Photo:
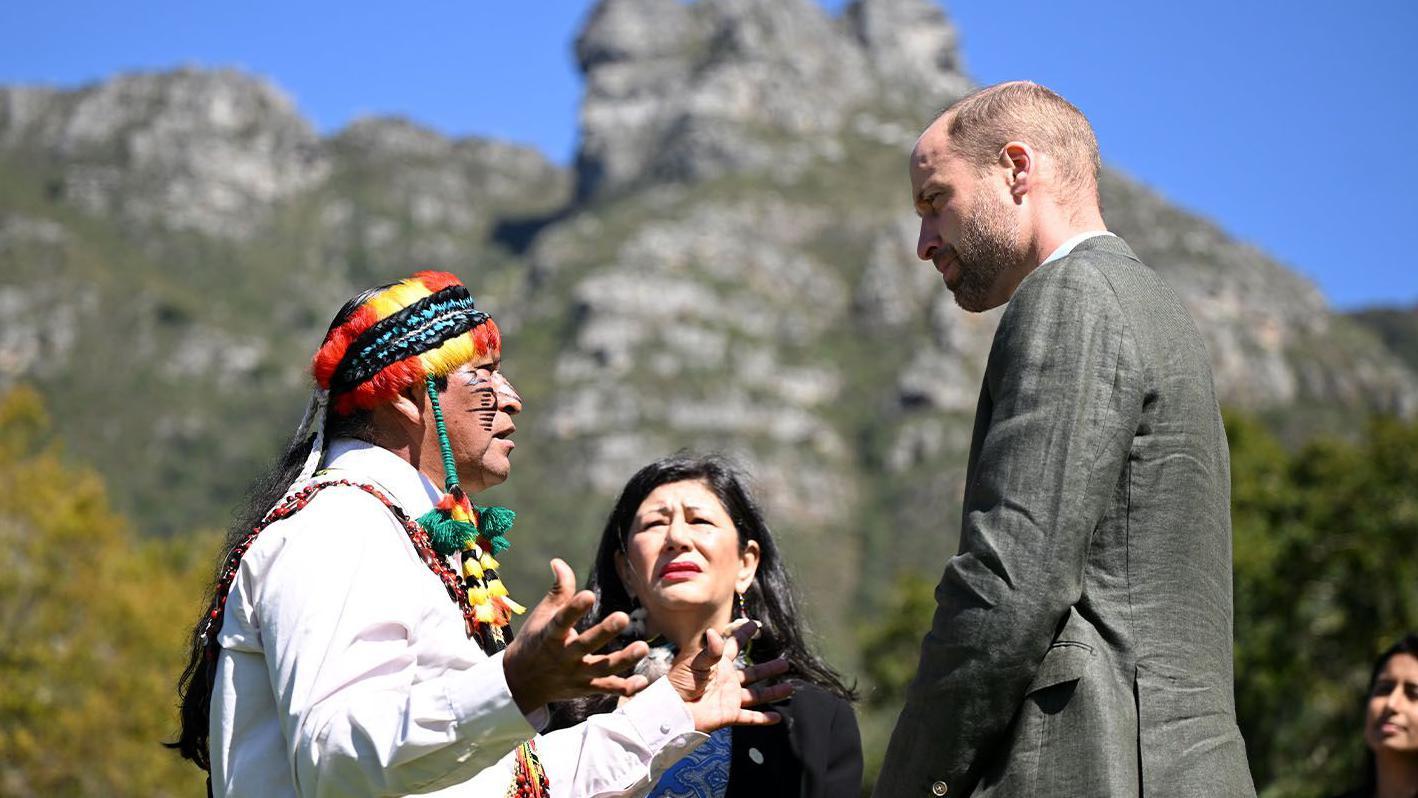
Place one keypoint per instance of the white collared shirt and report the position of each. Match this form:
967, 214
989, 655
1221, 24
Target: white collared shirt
345, 669
1067, 246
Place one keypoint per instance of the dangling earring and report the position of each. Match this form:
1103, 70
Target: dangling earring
743, 657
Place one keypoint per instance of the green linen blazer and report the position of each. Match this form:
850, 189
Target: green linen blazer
1081, 644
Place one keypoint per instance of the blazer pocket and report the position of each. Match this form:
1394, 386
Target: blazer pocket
1065, 661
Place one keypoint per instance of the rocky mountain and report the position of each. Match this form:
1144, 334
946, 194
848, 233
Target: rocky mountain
171, 244
209, 152
729, 264
1396, 327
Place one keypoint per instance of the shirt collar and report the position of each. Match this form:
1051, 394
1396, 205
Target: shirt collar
415, 493
1067, 246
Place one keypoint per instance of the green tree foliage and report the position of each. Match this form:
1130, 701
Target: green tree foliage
92, 628
893, 645
1326, 577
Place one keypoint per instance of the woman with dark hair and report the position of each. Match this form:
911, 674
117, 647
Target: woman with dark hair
686, 550
1391, 724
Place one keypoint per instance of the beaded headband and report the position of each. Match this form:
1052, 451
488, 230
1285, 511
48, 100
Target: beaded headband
425, 326
416, 330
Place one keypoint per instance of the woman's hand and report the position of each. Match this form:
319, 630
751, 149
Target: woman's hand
716, 691
549, 661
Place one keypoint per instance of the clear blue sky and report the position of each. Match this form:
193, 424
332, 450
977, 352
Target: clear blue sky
1292, 124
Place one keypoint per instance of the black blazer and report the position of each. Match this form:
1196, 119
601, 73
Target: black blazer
816, 752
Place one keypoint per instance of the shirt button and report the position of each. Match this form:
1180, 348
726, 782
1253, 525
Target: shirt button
756, 755
664, 728
939, 788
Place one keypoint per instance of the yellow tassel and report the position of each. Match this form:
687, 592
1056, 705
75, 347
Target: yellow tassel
483, 613
477, 596
514, 606
488, 562
471, 567
496, 588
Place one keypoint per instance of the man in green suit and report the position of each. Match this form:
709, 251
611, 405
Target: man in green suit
1081, 644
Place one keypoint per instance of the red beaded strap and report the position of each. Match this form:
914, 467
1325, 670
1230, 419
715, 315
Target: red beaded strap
531, 781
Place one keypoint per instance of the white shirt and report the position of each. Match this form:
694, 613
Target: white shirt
1067, 246
345, 669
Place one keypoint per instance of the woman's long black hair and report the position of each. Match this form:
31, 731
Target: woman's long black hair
768, 600
1408, 644
194, 687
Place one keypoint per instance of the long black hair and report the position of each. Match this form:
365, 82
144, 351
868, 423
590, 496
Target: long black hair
1408, 644
768, 600
194, 686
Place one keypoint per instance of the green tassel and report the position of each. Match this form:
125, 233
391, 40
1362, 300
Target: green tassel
446, 535
496, 522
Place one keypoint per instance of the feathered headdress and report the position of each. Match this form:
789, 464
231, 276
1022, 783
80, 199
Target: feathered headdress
417, 330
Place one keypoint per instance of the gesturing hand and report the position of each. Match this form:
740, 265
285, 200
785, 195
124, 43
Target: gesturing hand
716, 691
550, 661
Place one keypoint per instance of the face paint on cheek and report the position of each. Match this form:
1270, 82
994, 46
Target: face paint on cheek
483, 399
485, 408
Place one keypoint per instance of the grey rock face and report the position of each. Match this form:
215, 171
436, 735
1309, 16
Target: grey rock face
21, 107
188, 150
494, 173
427, 198
693, 329
913, 49
716, 87
41, 329
676, 92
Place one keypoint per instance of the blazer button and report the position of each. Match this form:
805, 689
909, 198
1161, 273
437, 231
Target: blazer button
939, 788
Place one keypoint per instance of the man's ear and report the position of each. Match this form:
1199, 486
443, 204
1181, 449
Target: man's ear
1021, 165
408, 405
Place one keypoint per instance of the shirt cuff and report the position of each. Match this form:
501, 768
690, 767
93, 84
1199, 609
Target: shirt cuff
660, 717
658, 714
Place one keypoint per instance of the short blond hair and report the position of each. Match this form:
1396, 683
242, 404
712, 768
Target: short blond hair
981, 123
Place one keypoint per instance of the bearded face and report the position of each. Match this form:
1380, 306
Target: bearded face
988, 247
969, 230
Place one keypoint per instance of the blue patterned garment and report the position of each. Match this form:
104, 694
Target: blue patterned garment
704, 773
